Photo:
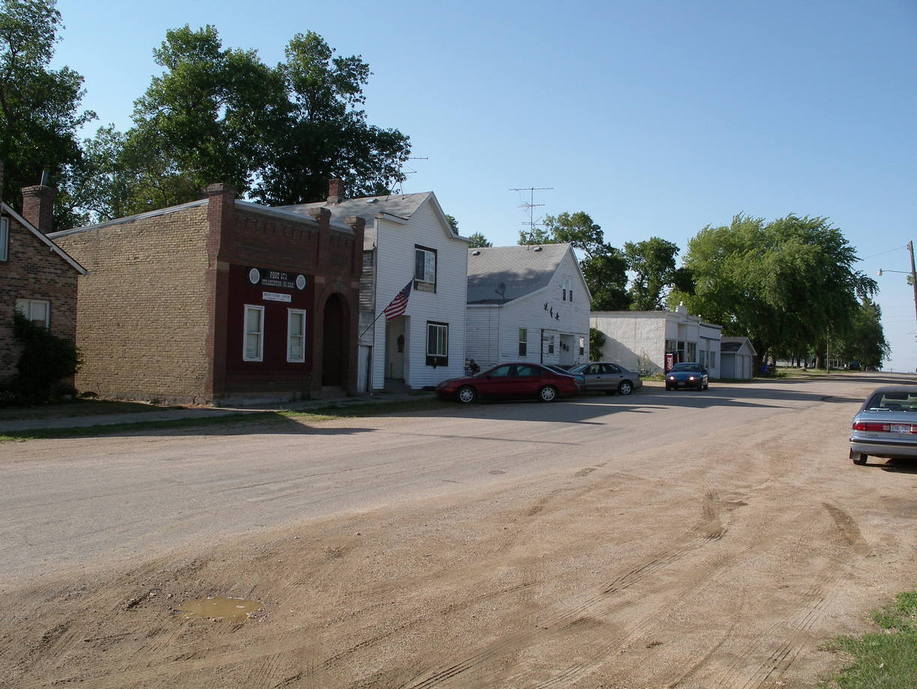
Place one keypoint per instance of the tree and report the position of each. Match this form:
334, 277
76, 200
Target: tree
784, 284
603, 266
478, 241
652, 262
277, 134
326, 134
596, 343
864, 340
39, 107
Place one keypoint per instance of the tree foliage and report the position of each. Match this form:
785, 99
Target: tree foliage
39, 107
652, 263
785, 284
478, 241
864, 340
218, 114
604, 267
45, 361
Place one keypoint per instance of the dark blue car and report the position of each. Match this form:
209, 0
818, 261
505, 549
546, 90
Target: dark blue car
687, 375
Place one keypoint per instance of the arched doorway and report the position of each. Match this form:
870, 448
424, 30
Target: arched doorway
334, 342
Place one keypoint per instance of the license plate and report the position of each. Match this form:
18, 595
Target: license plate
900, 428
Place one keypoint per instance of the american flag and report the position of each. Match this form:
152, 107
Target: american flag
397, 306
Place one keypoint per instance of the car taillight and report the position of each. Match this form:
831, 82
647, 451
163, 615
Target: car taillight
885, 427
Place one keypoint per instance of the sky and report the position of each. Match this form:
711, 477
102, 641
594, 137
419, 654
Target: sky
657, 118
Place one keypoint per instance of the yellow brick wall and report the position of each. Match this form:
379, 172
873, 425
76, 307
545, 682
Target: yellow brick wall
142, 310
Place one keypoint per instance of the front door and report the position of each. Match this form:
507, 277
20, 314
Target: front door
395, 346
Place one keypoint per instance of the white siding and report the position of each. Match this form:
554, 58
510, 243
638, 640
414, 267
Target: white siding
493, 330
636, 340
395, 244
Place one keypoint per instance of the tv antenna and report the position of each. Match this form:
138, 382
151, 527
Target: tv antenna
408, 171
531, 205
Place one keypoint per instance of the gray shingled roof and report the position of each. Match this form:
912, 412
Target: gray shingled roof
514, 270
399, 205
734, 343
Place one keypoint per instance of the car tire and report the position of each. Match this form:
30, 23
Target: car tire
547, 394
706, 386
466, 394
626, 387
668, 387
858, 457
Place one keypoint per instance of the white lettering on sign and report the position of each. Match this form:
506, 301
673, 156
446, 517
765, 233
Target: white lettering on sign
276, 296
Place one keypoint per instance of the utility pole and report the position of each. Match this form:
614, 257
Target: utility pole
531, 205
910, 249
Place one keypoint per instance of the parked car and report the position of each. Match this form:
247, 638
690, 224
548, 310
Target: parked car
604, 376
510, 380
886, 425
578, 377
687, 375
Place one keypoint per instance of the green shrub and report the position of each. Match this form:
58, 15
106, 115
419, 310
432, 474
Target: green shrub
46, 360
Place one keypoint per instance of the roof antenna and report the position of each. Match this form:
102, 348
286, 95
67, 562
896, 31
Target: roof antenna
45, 177
408, 171
531, 205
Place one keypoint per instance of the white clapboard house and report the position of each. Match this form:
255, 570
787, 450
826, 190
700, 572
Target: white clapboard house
526, 303
407, 240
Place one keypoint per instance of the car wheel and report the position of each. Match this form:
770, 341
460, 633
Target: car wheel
706, 386
668, 387
466, 394
547, 394
858, 457
626, 387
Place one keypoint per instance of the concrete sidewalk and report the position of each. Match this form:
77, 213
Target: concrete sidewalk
20, 425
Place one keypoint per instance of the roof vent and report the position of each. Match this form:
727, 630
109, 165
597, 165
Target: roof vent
476, 252
537, 248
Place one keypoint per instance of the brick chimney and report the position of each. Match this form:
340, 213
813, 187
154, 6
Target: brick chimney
38, 206
335, 190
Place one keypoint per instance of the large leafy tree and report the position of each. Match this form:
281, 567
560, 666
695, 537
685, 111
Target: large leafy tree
39, 107
652, 263
786, 284
864, 340
277, 134
326, 134
604, 267
478, 241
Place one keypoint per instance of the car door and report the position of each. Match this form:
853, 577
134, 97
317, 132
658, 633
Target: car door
530, 379
497, 382
593, 377
612, 376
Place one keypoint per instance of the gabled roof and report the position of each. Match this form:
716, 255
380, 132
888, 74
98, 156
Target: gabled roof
500, 274
43, 239
398, 205
731, 344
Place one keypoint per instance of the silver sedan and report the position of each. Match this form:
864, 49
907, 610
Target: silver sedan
886, 425
604, 376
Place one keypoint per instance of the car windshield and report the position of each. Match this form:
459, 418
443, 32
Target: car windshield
685, 367
579, 368
893, 401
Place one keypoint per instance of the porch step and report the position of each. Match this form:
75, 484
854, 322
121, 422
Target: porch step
333, 392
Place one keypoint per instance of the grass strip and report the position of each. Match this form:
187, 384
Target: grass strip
249, 418
885, 659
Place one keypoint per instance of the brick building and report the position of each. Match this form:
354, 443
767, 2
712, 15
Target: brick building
218, 301
37, 277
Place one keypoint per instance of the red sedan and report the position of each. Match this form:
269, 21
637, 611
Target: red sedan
510, 380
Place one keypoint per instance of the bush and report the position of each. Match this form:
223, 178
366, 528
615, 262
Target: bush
46, 360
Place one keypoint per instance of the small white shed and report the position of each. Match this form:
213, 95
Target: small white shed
737, 358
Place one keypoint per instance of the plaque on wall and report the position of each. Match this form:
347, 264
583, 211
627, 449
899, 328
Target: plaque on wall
265, 277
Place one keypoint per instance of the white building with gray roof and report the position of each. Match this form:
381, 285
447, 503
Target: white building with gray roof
407, 239
526, 303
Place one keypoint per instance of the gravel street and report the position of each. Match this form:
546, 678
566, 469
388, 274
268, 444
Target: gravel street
666, 539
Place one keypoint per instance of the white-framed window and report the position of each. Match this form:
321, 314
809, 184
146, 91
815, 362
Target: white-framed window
424, 268
296, 335
703, 358
4, 238
523, 342
582, 346
711, 363
36, 310
437, 344
253, 333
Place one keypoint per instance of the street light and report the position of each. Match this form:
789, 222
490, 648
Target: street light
912, 273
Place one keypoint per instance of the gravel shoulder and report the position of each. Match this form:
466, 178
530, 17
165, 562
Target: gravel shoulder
664, 540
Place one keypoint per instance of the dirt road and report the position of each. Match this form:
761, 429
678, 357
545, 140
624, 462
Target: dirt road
683, 540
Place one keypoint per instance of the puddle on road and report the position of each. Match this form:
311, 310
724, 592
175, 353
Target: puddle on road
233, 609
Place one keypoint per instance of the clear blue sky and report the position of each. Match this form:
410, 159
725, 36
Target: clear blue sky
656, 118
